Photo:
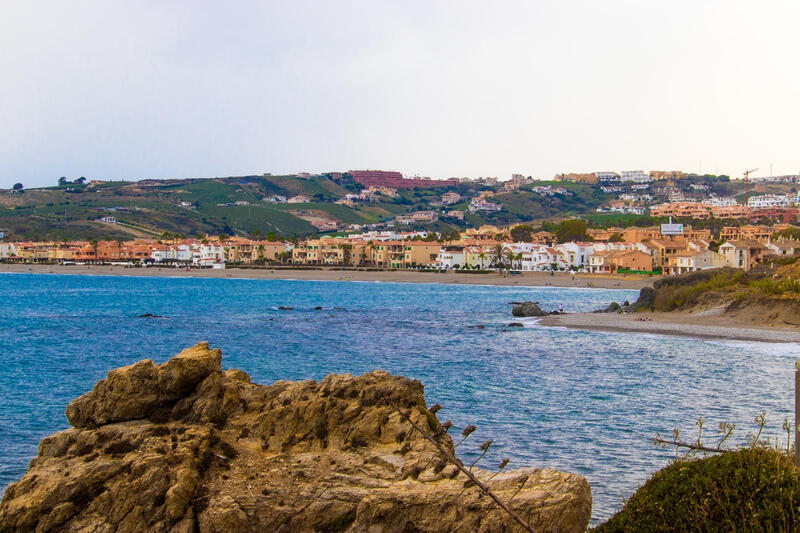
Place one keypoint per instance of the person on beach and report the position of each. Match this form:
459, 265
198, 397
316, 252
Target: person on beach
560, 309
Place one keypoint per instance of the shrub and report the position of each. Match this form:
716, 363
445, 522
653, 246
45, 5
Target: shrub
781, 286
673, 296
753, 489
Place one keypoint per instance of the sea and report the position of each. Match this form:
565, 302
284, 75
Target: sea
580, 401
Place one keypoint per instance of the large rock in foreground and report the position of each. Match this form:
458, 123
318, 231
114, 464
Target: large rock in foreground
184, 446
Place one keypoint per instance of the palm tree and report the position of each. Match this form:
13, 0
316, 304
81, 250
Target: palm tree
482, 257
518, 259
94, 243
498, 256
347, 250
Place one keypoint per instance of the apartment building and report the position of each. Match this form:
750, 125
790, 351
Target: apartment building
634, 176
769, 200
733, 233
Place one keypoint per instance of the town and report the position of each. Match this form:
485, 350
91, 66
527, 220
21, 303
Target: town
669, 249
718, 222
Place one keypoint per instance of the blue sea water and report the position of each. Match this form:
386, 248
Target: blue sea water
584, 402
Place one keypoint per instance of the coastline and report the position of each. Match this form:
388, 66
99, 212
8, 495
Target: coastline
675, 324
527, 279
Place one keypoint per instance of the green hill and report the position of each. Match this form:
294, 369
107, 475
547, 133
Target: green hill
241, 205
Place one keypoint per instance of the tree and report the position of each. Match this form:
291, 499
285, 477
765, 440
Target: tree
522, 233
94, 244
80, 181
62, 181
17, 187
572, 230
789, 233
224, 237
347, 253
502, 256
615, 238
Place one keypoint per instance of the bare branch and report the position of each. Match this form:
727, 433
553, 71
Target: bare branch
689, 445
457, 462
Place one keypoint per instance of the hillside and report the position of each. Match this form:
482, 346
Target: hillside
190, 206
767, 295
242, 206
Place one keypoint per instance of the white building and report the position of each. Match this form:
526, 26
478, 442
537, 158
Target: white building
534, 257
450, 257
607, 177
576, 254
208, 254
635, 176
479, 204
7, 250
180, 252
769, 200
720, 201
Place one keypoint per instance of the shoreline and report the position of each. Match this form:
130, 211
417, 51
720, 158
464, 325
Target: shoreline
675, 324
527, 279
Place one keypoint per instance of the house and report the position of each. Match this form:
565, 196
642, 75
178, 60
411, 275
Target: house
743, 253
451, 198
783, 247
611, 261
209, 254
299, 199
478, 256
691, 260
479, 204
451, 256
7, 250
576, 254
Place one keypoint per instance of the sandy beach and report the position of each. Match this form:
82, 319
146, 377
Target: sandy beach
678, 324
528, 279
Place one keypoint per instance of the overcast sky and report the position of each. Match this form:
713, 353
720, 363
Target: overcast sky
137, 89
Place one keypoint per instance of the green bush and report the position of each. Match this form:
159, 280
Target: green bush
753, 489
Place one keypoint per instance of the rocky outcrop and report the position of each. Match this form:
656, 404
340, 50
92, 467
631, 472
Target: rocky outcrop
527, 309
613, 307
647, 298
184, 446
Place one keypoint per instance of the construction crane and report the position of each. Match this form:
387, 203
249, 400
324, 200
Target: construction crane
747, 183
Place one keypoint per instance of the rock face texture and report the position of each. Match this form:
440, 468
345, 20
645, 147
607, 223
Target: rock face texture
527, 309
184, 447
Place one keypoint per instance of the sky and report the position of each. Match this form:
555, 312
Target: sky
171, 89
